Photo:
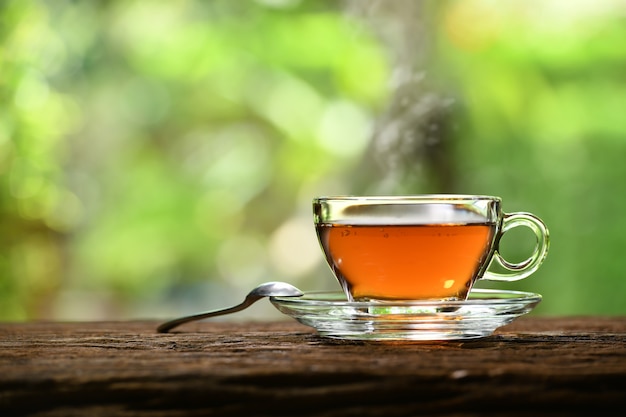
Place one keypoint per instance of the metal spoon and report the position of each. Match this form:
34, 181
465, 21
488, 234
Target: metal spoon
268, 289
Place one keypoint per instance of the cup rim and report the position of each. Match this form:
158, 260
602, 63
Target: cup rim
409, 197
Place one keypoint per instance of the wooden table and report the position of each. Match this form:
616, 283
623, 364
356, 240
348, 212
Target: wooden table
534, 366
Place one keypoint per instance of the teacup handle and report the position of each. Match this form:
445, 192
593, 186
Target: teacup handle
525, 268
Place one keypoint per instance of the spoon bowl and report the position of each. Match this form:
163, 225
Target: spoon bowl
267, 289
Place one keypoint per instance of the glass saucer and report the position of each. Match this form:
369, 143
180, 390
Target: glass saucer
333, 316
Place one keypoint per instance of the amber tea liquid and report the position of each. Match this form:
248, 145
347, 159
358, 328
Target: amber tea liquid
406, 261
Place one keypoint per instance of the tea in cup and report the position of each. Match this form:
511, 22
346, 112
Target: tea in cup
421, 247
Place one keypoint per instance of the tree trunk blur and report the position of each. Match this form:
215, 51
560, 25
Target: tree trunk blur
409, 150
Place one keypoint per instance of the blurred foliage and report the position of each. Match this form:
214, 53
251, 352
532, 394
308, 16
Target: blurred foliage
542, 123
161, 149
157, 158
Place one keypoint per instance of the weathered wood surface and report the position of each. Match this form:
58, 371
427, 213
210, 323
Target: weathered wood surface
535, 366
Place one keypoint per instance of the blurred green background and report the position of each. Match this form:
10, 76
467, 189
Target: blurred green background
159, 158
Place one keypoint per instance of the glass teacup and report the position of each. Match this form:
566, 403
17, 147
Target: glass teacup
421, 247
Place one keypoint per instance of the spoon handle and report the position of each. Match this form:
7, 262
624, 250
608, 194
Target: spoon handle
169, 325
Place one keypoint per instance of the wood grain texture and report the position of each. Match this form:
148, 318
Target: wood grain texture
534, 366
